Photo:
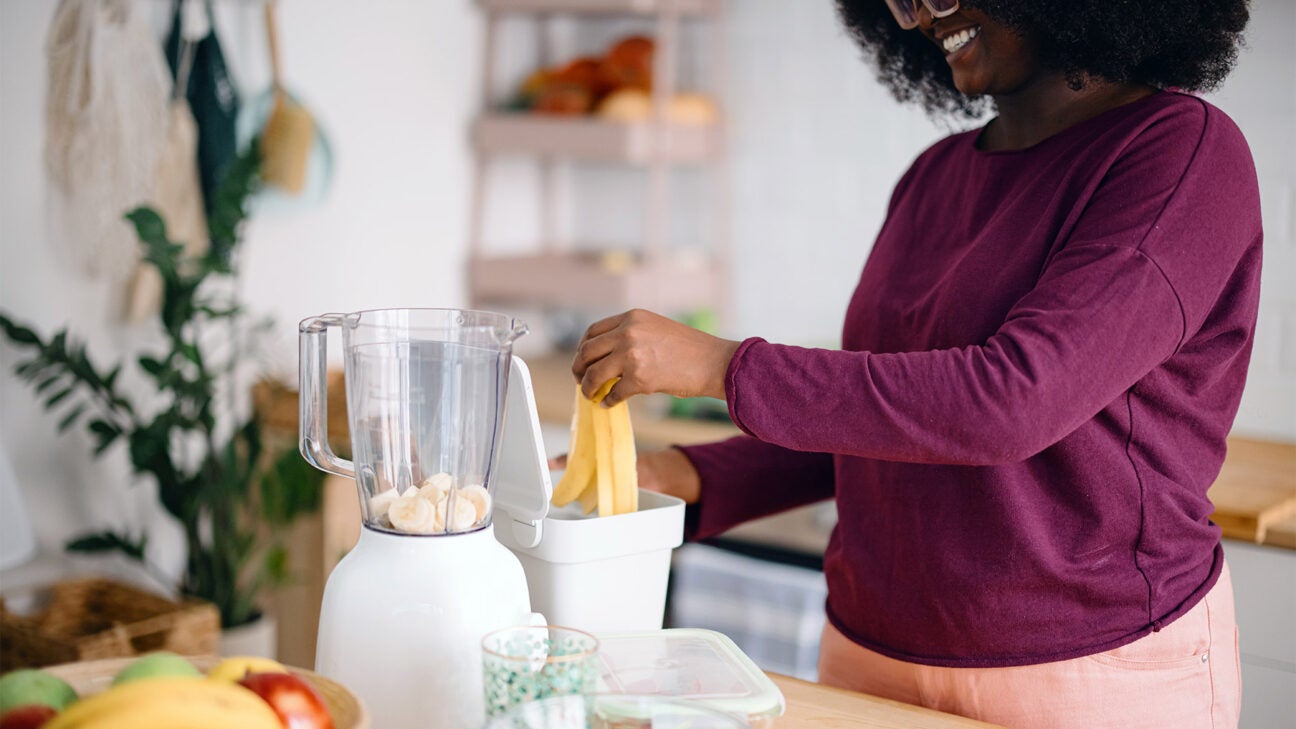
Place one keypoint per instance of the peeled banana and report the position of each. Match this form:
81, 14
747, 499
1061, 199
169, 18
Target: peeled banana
173, 702
601, 459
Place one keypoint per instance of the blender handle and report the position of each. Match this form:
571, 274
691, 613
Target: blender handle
312, 396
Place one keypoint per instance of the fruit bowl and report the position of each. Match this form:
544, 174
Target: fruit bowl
91, 677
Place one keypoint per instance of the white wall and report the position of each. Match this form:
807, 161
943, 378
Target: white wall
816, 147
1261, 97
393, 83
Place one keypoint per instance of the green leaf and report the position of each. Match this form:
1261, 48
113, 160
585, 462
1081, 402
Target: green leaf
48, 382
276, 565
290, 488
190, 352
107, 541
31, 368
104, 443
59, 396
151, 365
149, 226
110, 381
71, 418
18, 334
105, 434
220, 313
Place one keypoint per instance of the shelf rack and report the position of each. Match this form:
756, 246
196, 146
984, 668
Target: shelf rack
558, 274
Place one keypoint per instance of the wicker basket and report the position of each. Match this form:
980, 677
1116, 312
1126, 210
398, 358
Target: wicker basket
91, 618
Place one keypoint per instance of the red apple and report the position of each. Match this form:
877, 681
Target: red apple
28, 716
296, 703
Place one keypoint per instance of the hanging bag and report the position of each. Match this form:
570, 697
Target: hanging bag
177, 196
106, 125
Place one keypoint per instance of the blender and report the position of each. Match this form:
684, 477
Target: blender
404, 612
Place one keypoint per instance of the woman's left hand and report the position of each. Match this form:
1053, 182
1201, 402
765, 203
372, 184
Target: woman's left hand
651, 353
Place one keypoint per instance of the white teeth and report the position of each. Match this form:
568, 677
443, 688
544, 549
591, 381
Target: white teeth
958, 40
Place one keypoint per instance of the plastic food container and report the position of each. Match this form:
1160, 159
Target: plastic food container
613, 712
602, 574
698, 666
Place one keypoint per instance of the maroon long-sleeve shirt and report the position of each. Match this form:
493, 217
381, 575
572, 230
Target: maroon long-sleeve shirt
1040, 364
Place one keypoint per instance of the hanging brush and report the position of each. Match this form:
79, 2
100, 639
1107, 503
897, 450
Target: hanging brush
289, 132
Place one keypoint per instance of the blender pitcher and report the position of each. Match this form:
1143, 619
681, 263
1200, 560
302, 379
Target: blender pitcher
425, 402
404, 611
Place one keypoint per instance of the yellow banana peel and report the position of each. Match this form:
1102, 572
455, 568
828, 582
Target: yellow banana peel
601, 458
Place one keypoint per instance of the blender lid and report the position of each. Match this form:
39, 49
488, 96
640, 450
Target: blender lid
522, 484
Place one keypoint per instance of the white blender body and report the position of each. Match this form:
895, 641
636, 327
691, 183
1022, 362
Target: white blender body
404, 613
402, 622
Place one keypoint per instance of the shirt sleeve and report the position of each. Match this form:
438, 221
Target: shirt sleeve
1102, 315
744, 478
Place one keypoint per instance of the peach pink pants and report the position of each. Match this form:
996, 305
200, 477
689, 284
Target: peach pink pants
1185, 676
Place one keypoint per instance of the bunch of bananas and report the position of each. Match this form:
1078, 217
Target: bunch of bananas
172, 702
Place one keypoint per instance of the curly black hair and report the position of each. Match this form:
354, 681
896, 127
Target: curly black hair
1185, 44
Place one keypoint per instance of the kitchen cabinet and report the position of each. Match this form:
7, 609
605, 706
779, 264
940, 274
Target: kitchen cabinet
561, 273
1264, 592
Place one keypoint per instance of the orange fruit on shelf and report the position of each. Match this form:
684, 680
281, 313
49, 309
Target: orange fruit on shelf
629, 64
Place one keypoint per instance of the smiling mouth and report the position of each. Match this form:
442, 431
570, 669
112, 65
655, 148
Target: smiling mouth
955, 41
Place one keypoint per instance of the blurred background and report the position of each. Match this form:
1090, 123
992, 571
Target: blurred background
442, 170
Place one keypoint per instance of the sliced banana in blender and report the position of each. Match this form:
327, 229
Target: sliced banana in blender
380, 502
479, 497
413, 514
457, 516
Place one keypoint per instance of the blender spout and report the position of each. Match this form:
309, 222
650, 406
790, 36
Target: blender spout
511, 335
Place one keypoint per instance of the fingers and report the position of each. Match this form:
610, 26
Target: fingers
592, 350
603, 326
595, 345
558, 462
600, 372
610, 348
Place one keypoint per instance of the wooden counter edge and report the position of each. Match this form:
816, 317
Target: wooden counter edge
1256, 491
814, 705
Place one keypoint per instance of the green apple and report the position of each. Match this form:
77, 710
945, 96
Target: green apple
29, 686
155, 665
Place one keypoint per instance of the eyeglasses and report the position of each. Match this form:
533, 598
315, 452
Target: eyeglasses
906, 11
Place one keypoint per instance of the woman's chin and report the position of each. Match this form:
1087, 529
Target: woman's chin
970, 85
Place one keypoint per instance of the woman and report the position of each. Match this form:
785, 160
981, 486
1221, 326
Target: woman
1045, 351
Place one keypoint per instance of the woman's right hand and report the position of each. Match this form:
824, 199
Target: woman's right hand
667, 472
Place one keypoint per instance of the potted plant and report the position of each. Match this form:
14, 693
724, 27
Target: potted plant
213, 474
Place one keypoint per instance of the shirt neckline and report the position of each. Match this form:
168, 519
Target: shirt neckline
1074, 128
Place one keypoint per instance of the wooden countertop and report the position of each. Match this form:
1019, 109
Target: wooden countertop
821, 707
1255, 493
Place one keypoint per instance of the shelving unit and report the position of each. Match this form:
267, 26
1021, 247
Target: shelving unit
559, 273
641, 143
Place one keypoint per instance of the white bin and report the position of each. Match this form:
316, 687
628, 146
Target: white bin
602, 574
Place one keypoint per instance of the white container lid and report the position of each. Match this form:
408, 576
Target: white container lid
691, 664
521, 483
